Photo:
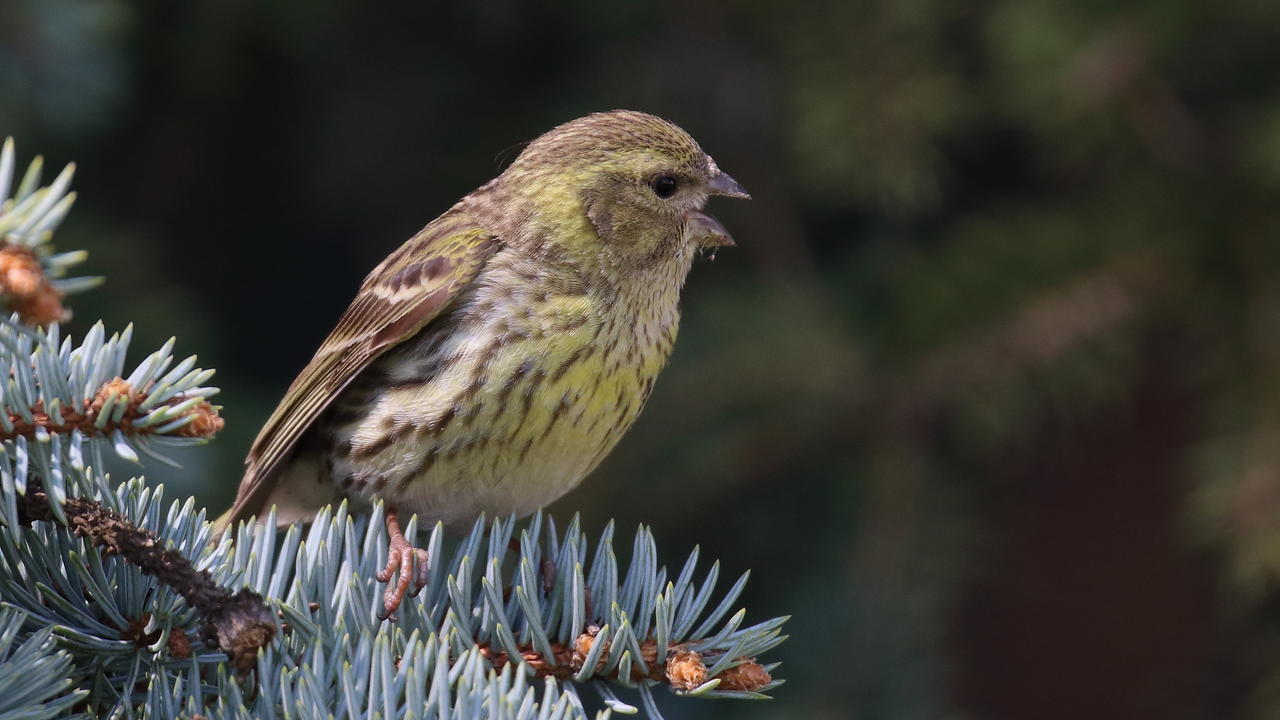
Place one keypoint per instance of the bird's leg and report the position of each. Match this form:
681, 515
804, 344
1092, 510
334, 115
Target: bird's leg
548, 569
405, 563
548, 575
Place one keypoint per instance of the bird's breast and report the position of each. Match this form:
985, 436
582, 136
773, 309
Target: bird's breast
507, 404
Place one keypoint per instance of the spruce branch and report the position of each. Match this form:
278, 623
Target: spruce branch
35, 680
32, 279
239, 622
122, 626
682, 669
62, 405
117, 407
335, 653
594, 623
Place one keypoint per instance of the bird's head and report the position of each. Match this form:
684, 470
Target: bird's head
621, 186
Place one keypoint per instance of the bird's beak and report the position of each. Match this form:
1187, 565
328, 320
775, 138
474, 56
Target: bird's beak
706, 231
724, 185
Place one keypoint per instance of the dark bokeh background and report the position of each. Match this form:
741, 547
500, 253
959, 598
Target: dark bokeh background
988, 396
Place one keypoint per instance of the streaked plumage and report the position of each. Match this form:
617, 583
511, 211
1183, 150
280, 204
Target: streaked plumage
493, 360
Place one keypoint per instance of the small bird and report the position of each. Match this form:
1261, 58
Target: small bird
493, 360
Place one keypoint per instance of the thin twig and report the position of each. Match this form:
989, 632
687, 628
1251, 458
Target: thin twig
683, 669
207, 422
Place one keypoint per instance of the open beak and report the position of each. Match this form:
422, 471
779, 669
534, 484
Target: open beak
706, 231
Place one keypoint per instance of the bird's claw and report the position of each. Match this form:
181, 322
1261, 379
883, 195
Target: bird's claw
407, 564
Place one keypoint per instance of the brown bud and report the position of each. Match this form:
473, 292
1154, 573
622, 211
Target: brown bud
582, 647
179, 644
24, 286
206, 424
750, 675
685, 670
113, 387
20, 272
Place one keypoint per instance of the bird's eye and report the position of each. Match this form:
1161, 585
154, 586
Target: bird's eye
664, 186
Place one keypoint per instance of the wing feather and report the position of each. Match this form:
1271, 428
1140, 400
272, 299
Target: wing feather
397, 299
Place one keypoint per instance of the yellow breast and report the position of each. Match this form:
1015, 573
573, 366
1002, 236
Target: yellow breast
511, 403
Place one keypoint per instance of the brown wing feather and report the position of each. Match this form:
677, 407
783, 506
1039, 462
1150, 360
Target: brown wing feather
404, 293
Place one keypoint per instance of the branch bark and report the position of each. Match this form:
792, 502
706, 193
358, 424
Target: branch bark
240, 622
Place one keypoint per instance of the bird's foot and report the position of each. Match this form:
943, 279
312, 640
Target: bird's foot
407, 564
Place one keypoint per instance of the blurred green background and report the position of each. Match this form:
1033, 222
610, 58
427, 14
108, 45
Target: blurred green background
988, 396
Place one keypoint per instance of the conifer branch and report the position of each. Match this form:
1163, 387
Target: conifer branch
117, 407
31, 276
63, 404
35, 677
682, 669
593, 622
239, 622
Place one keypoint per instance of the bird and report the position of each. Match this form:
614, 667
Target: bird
494, 359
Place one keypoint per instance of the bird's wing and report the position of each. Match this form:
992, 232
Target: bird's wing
404, 293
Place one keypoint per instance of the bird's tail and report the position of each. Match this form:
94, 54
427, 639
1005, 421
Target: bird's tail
299, 489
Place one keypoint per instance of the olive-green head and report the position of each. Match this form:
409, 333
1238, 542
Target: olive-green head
622, 186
